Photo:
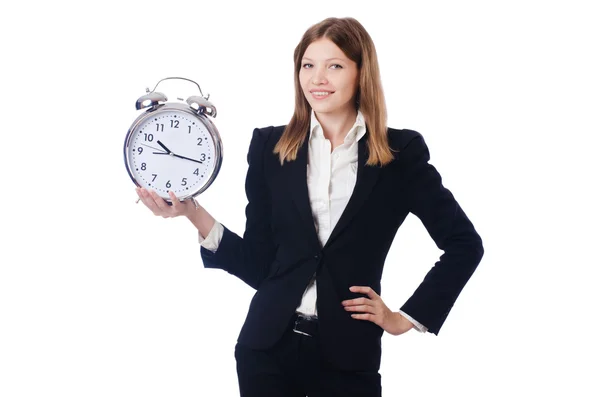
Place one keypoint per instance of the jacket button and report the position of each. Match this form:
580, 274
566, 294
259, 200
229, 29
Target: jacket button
317, 256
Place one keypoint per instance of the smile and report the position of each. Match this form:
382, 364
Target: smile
321, 94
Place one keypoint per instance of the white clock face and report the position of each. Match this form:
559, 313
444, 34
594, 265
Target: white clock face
173, 151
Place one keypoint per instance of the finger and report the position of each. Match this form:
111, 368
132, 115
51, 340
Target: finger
365, 316
178, 206
161, 204
148, 201
361, 308
358, 301
365, 290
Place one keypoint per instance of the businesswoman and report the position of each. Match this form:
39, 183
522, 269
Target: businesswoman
326, 196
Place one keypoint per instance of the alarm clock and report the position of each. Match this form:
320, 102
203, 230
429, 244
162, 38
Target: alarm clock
173, 146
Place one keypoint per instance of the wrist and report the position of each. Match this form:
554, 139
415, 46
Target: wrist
404, 324
201, 219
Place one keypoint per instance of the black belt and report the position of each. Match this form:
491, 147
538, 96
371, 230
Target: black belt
305, 325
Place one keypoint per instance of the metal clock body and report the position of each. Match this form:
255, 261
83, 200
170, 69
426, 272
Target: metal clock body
173, 146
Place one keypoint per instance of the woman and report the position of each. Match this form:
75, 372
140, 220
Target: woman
326, 195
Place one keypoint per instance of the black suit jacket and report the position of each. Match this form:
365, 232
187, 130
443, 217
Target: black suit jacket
280, 250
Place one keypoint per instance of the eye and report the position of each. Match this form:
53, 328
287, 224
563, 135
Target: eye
336, 66
307, 65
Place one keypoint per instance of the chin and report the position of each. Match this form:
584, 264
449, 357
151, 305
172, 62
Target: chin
324, 108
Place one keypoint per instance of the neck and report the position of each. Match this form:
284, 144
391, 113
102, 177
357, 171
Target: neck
336, 125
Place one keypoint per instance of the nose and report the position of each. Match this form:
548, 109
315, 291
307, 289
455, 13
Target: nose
319, 76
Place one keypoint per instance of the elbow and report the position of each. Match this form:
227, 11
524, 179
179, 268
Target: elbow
469, 249
471, 240
475, 254
475, 249
478, 248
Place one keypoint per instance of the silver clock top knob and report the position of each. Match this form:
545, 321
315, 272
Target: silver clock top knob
202, 105
151, 99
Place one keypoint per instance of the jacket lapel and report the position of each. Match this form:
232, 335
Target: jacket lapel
366, 177
298, 189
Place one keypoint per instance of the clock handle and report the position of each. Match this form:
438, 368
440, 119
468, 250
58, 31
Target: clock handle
180, 78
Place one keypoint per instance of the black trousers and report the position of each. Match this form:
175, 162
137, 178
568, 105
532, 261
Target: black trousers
294, 368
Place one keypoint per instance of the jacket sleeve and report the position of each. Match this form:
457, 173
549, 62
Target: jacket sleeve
452, 232
249, 258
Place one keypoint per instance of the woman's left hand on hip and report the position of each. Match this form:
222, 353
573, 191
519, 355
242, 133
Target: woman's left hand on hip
374, 309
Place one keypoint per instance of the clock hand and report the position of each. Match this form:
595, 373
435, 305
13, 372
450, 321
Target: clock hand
186, 158
164, 147
176, 155
151, 147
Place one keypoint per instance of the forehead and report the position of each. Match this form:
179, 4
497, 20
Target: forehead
323, 49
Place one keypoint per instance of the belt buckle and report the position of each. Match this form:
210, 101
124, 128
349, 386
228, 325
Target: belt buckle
298, 317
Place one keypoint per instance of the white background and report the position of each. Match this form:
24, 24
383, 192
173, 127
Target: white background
100, 298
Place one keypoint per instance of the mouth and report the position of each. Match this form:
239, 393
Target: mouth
317, 94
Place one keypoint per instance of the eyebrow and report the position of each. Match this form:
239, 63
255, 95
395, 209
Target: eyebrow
330, 59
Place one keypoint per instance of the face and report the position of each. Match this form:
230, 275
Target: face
328, 78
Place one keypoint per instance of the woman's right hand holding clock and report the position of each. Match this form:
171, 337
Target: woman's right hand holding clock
159, 206
193, 211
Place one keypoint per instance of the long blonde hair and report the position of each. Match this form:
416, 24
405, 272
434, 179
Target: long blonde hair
352, 38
